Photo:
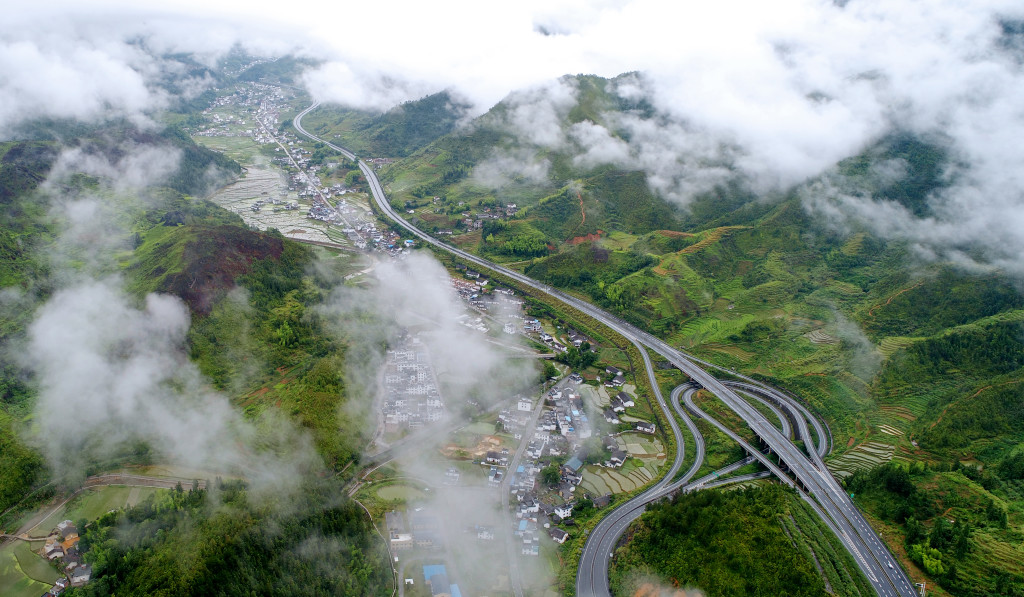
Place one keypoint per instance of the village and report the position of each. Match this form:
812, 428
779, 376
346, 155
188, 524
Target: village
541, 459
544, 460
335, 214
61, 548
411, 395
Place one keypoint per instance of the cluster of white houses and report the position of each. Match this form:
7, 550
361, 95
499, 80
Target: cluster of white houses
411, 397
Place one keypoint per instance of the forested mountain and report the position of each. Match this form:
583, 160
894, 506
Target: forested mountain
250, 334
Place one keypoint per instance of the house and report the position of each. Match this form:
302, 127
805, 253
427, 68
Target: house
617, 406
81, 575
563, 511
66, 528
626, 399
618, 457
401, 541
603, 501
618, 380
611, 417
451, 476
613, 371
558, 534
525, 405
484, 533
644, 427
496, 458
573, 465
53, 551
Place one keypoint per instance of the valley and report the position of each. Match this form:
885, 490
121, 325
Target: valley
304, 327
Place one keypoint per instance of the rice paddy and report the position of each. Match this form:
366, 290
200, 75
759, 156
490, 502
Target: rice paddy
890, 345
819, 336
14, 582
866, 456
647, 456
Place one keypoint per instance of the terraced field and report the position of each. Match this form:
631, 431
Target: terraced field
854, 245
599, 481
819, 336
711, 237
889, 346
647, 454
863, 457
733, 351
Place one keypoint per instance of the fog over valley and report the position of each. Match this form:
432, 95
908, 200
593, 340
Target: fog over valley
562, 297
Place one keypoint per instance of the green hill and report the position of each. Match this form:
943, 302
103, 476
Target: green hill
922, 359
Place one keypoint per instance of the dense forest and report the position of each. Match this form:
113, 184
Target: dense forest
725, 543
227, 541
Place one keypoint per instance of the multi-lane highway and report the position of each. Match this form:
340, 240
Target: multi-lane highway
810, 475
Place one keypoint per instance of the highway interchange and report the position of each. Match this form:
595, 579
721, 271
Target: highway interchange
806, 472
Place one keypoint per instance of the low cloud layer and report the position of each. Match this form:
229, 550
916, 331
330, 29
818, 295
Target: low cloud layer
113, 372
415, 294
777, 92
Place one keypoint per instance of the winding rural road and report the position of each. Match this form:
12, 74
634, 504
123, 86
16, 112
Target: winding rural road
807, 473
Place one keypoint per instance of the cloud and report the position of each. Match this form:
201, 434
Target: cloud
506, 167
416, 293
112, 371
778, 92
126, 167
111, 374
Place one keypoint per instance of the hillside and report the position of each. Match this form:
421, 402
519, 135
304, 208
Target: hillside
395, 133
909, 361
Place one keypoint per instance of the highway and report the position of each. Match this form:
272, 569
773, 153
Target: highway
592, 574
822, 490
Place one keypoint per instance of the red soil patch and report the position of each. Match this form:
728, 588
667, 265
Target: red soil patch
586, 238
212, 258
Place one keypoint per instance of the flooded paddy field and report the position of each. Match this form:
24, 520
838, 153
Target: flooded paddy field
267, 184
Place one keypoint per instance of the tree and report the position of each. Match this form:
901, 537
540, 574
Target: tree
550, 475
583, 507
915, 531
